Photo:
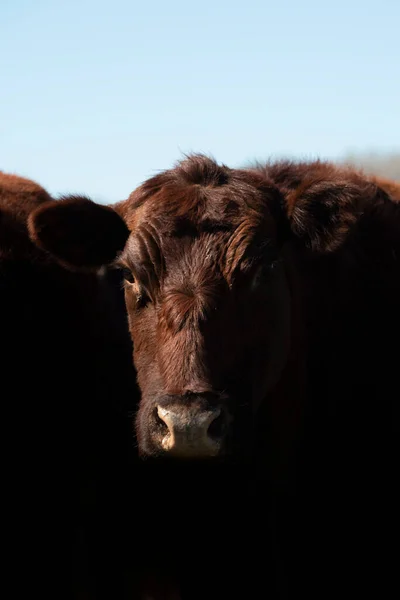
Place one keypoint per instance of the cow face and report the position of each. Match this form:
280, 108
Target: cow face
208, 302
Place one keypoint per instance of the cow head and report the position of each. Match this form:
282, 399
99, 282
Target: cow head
208, 303
208, 292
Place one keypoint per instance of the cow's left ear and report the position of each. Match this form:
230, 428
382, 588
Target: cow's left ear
77, 232
321, 213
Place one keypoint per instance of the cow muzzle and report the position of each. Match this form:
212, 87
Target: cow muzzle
190, 430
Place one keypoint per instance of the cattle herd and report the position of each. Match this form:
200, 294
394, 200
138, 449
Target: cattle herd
200, 386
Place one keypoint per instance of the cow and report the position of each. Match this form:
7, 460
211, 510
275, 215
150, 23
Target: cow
263, 306
65, 367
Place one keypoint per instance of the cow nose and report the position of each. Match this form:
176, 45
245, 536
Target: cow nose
190, 431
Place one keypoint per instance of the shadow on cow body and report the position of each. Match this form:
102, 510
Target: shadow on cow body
67, 380
263, 308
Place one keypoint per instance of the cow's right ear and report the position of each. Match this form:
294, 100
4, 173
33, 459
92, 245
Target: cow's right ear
322, 211
77, 232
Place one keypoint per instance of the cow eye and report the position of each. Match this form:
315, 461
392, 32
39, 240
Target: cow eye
140, 295
128, 275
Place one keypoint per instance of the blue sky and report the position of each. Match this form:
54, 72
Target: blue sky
97, 96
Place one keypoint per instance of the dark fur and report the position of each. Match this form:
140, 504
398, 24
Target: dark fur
304, 354
67, 380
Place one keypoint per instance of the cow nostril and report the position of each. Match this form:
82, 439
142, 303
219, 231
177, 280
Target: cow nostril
189, 430
217, 427
161, 425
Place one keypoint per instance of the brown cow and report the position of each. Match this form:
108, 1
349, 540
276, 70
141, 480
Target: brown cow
65, 366
264, 309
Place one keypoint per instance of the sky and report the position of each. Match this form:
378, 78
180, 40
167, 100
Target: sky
97, 96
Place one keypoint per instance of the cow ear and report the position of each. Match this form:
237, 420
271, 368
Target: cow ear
321, 213
77, 232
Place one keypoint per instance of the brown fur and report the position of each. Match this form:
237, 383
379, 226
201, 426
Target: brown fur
20, 195
391, 187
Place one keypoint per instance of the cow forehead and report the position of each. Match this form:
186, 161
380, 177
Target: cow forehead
185, 250
189, 220
178, 219
210, 222
194, 246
